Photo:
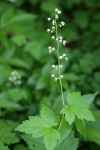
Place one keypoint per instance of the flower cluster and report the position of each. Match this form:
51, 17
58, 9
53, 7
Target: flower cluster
63, 57
15, 78
58, 40
51, 49
57, 78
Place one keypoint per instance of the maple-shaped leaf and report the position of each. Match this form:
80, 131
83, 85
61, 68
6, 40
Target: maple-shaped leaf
76, 108
42, 126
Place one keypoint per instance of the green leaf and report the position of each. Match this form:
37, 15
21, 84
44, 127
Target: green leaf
93, 128
9, 105
42, 126
20, 147
49, 116
7, 136
22, 17
69, 143
50, 138
90, 130
73, 97
34, 144
89, 98
19, 63
81, 126
13, 95
18, 39
3, 147
64, 130
35, 126
76, 108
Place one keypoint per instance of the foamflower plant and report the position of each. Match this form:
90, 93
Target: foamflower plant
51, 131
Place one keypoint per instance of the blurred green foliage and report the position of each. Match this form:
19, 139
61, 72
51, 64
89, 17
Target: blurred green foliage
23, 47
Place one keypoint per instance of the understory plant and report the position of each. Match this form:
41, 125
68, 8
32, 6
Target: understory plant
56, 131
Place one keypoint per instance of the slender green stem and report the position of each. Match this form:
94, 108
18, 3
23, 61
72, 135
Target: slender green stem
59, 72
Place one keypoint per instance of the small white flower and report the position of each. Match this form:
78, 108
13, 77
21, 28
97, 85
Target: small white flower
59, 12
50, 51
53, 28
60, 57
60, 66
60, 41
51, 31
57, 39
52, 75
56, 9
56, 79
61, 76
49, 47
48, 30
56, 67
10, 79
62, 23
66, 58
53, 66
64, 42
64, 55
53, 49
57, 17
48, 19
60, 37
53, 37
53, 22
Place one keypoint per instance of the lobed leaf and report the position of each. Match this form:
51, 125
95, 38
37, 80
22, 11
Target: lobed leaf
76, 108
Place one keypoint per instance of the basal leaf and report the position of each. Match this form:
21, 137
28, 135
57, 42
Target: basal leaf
42, 126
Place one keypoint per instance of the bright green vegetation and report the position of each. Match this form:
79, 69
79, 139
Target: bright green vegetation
37, 101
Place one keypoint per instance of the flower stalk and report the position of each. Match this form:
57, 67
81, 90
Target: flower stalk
59, 40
